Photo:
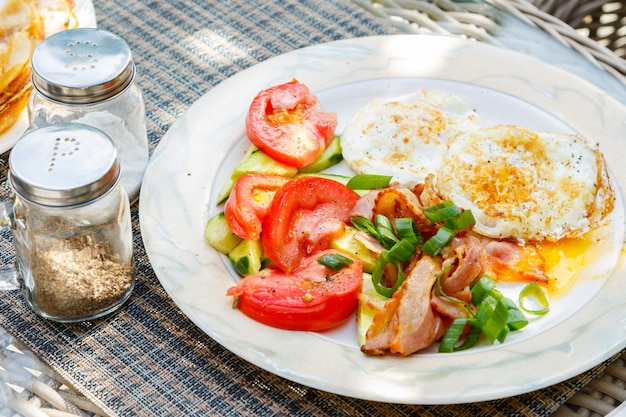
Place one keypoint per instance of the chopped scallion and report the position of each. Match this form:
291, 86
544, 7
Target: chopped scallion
460, 221
402, 250
364, 225
440, 212
436, 243
533, 293
407, 229
386, 235
482, 288
368, 181
379, 269
335, 261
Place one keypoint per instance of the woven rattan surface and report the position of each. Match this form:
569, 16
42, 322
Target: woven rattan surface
149, 359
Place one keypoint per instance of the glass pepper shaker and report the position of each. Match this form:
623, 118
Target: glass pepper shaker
86, 76
70, 220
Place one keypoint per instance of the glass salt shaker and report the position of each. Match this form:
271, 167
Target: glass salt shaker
86, 76
70, 220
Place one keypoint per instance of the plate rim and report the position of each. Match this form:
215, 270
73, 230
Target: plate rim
149, 223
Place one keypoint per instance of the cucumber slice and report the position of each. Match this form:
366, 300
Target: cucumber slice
247, 257
370, 303
331, 156
346, 244
218, 234
255, 161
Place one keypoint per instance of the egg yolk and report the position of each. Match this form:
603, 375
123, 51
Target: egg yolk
565, 260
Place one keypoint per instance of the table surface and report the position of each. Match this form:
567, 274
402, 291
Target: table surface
182, 49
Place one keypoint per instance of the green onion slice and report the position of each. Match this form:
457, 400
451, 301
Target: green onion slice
460, 221
450, 340
483, 287
335, 261
402, 250
493, 316
379, 268
407, 230
440, 212
368, 181
386, 235
364, 225
435, 244
533, 293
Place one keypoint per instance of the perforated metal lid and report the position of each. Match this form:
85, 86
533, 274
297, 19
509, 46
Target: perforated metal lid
81, 66
63, 165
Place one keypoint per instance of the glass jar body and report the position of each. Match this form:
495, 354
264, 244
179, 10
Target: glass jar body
121, 117
74, 263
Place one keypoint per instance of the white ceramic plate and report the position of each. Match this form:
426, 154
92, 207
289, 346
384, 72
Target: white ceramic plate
195, 157
86, 16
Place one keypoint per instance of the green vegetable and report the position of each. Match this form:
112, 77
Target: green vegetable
331, 156
460, 221
368, 181
435, 244
370, 302
377, 274
218, 234
335, 261
494, 318
347, 244
440, 212
534, 292
407, 230
247, 257
255, 161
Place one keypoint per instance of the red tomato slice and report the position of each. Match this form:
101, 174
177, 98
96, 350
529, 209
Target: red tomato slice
249, 201
287, 123
304, 216
311, 298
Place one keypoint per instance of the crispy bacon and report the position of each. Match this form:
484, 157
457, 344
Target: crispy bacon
467, 256
364, 206
408, 322
427, 194
418, 314
398, 202
509, 261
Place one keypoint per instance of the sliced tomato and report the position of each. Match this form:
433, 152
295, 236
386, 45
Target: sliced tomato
249, 202
287, 123
311, 298
305, 215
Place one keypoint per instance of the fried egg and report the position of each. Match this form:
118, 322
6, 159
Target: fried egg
526, 185
405, 137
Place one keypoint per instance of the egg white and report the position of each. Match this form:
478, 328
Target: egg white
406, 137
524, 184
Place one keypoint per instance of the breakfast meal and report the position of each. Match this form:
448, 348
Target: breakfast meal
23, 25
442, 208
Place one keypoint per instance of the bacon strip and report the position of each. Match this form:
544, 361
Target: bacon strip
408, 323
508, 261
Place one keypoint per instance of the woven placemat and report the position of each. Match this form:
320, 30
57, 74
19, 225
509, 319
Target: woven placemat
148, 358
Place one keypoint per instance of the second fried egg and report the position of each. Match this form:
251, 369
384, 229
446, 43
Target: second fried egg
526, 185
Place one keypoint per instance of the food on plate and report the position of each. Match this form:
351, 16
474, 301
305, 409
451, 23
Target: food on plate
312, 297
287, 122
526, 185
23, 25
405, 137
442, 210
249, 202
305, 215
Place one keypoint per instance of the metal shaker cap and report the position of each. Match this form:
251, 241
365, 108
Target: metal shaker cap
82, 66
63, 165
